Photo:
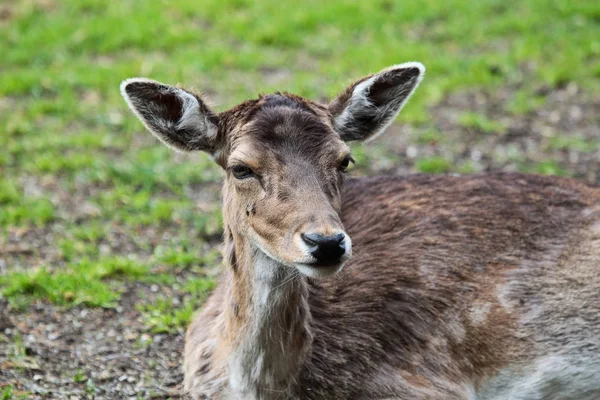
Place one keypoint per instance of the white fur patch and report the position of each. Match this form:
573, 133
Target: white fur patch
264, 356
191, 118
357, 101
479, 313
553, 377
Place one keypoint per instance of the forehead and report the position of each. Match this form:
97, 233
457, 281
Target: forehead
287, 126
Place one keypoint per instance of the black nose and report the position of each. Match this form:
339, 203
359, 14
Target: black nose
326, 249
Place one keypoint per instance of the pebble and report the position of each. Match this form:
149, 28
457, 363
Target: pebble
105, 249
476, 155
554, 117
575, 113
411, 151
145, 338
105, 375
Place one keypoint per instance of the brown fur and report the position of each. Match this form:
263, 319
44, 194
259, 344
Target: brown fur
482, 286
404, 300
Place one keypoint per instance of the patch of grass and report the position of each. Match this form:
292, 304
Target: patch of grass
433, 165
91, 232
162, 278
71, 249
182, 256
550, 168
10, 393
7, 393
38, 212
116, 267
164, 315
90, 387
140, 208
468, 167
79, 376
66, 288
16, 209
48, 163
524, 102
9, 193
429, 137
91, 283
574, 143
480, 123
545, 168
97, 282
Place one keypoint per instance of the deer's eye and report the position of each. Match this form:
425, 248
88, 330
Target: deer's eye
346, 163
241, 171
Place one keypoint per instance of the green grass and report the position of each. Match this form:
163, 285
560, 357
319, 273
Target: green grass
96, 283
164, 314
15, 209
434, 165
480, 123
10, 393
575, 143
545, 168
524, 101
76, 167
429, 137
72, 287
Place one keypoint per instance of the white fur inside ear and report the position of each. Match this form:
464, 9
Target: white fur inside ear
191, 117
359, 101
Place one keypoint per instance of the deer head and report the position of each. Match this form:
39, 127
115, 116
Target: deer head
285, 158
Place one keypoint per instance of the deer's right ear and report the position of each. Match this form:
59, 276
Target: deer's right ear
178, 118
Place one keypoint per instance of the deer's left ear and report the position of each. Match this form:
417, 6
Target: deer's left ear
372, 103
179, 118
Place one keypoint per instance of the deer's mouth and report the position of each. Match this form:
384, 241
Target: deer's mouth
315, 270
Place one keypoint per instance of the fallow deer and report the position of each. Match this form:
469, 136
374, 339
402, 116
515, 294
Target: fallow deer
395, 287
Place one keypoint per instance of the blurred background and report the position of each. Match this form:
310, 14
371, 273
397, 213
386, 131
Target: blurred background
109, 241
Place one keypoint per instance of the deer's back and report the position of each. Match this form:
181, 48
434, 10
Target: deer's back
489, 282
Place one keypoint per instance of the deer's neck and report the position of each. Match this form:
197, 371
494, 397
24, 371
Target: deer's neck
266, 323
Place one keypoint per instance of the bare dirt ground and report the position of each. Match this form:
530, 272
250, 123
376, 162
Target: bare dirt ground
81, 353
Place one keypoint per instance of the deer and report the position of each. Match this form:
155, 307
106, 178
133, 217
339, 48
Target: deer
438, 287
